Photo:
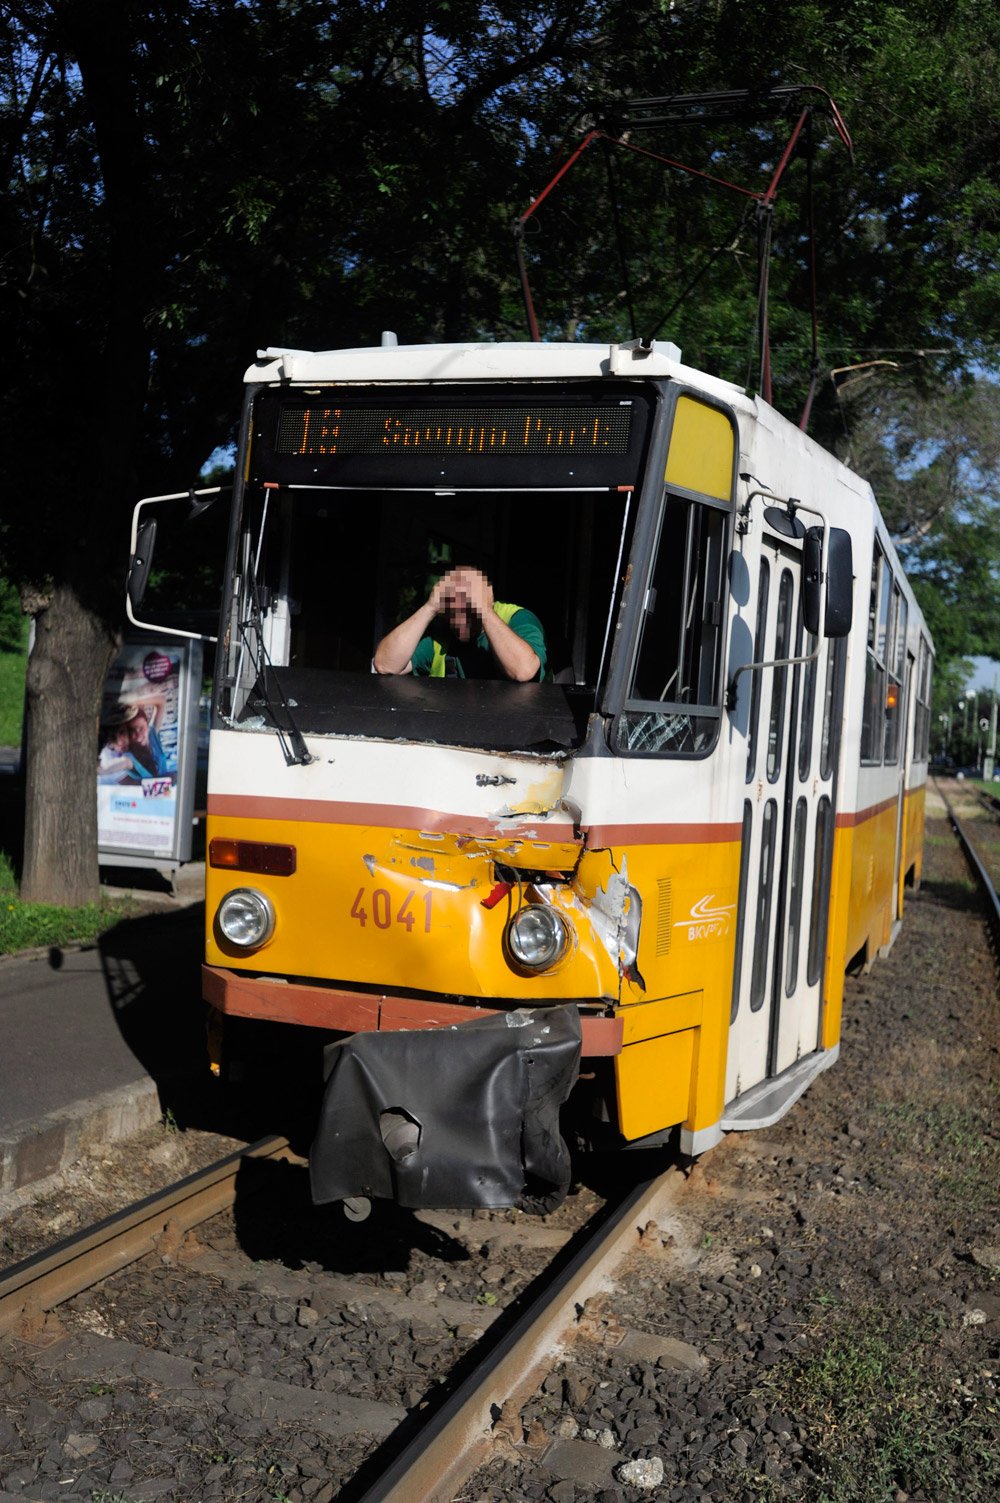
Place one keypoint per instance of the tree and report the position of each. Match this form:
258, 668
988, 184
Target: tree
191, 182
184, 179
933, 458
907, 233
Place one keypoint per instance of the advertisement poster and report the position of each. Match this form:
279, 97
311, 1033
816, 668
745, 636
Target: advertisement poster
147, 747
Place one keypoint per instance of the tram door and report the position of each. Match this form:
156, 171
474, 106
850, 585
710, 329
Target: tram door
788, 821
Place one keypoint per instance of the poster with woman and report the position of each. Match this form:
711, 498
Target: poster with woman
146, 725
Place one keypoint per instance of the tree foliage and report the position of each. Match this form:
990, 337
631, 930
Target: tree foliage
187, 183
933, 458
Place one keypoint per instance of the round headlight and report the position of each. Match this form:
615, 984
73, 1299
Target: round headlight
537, 937
246, 918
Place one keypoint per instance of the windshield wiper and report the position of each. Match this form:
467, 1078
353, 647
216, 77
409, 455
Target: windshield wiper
290, 738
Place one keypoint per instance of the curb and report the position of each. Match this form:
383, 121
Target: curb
44, 952
36, 1150
147, 904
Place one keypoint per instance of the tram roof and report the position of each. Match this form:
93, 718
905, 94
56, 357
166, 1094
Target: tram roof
486, 361
524, 360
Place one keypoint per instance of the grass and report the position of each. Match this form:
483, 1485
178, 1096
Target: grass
938, 1129
881, 1416
26, 926
13, 662
957, 1141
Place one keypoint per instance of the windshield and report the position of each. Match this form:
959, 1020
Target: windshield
357, 503
323, 576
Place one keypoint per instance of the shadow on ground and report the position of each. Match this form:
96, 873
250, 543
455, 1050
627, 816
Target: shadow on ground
152, 972
963, 897
276, 1221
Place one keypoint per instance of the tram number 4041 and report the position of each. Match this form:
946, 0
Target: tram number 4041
377, 906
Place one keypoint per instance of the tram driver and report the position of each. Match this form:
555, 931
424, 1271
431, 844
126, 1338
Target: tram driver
460, 631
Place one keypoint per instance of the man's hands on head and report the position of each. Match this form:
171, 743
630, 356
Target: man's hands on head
477, 590
462, 595
462, 586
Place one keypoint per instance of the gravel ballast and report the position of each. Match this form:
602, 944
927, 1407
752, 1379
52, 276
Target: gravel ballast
835, 1277
817, 1318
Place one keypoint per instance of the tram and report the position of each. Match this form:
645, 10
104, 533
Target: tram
619, 900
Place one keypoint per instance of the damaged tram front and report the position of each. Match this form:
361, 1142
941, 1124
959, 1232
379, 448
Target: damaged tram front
487, 897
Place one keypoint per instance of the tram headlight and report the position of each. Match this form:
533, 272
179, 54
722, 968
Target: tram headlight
537, 937
246, 918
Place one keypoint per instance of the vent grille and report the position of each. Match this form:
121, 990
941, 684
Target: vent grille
664, 916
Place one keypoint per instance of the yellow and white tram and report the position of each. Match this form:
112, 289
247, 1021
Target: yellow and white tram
635, 884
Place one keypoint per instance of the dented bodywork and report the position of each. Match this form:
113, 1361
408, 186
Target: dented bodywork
425, 911
425, 908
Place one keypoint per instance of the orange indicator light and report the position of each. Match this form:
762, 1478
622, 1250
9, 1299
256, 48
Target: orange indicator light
253, 856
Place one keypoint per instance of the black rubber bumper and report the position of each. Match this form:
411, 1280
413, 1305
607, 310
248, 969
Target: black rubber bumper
458, 1117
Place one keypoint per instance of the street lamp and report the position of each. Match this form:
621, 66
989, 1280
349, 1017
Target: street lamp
990, 760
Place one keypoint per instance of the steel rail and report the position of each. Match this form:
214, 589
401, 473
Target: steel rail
988, 800
979, 870
457, 1439
37, 1284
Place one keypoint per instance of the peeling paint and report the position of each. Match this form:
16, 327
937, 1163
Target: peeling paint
370, 864
544, 796
520, 849
615, 914
607, 912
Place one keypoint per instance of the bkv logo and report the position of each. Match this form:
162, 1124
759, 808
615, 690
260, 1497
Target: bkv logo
706, 922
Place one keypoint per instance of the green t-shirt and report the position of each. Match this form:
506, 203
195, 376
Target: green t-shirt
474, 659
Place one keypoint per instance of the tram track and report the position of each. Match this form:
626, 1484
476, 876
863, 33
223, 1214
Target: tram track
117, 1305
36, 1286
398, 1356
981, 848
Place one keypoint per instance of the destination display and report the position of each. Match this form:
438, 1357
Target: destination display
410, 438
489, 431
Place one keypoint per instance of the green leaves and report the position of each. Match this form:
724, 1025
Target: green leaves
309, 174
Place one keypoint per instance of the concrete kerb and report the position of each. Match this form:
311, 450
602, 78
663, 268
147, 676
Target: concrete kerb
187, 886
38, 1150
34, 1151
188, 889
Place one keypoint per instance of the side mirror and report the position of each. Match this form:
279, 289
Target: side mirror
140, 562
839, 585
181, 572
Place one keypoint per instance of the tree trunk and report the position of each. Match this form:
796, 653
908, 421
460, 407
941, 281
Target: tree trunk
69, 661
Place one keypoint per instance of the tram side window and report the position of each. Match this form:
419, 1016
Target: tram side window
808, 707
795, 898
835, 660
742, 908
922, 718
894, 689
872, 721
758, 656
672, 704
765, 894
782, 649
822, 856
